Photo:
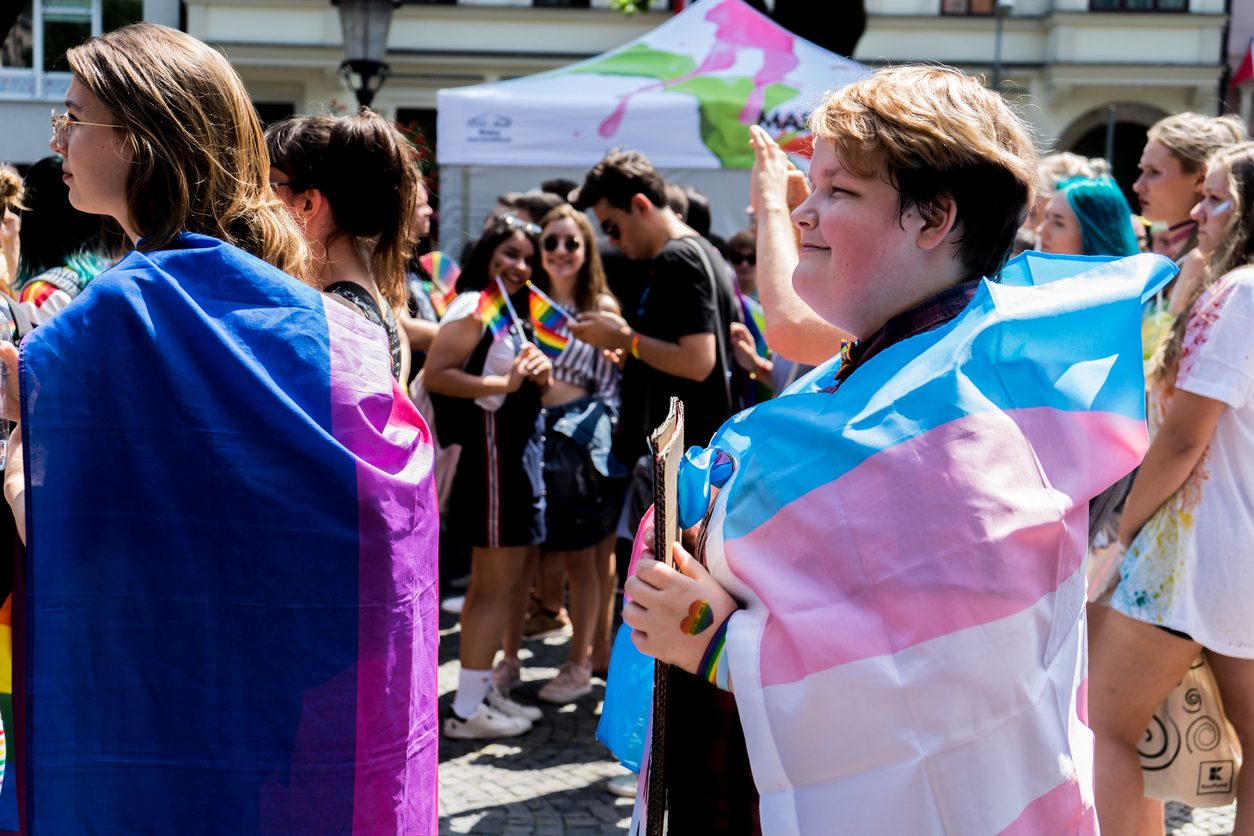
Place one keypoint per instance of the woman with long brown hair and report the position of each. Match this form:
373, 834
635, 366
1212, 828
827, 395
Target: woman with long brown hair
226, 607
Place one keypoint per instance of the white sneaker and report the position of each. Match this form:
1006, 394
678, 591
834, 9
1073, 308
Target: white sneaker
486, 722
571, 683
504, 705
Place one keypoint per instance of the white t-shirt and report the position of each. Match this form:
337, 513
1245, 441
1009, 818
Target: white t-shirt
1191, 568
501, 354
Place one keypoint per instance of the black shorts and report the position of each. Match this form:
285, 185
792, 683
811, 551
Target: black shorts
497, 499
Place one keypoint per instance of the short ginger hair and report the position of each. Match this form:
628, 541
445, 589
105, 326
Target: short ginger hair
933, 131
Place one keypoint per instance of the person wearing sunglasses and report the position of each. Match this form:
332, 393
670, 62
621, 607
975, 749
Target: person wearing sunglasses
251, 647
580, 406
675, 341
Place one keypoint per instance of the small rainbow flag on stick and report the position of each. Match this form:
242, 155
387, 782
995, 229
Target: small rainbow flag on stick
493, 309
550, 321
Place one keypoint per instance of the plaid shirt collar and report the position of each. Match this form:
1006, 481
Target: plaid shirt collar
920, 319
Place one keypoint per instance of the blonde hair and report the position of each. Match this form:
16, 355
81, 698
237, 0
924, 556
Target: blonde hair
1191, 137
591, 285
12, 189
933, 131
1060, 167
200, 162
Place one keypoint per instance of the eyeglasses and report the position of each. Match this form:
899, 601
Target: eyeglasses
61, 125
571, 243
610, 228
515, 222
738, 259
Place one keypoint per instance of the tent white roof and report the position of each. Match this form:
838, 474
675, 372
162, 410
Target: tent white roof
684, 94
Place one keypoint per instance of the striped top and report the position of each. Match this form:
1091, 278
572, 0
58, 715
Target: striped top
585, 366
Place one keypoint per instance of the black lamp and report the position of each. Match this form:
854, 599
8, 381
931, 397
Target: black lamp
365, 24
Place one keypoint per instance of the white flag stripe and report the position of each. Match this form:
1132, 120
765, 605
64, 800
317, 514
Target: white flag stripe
995, 716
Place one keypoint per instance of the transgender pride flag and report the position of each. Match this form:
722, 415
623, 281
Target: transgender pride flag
910, 549
228, 617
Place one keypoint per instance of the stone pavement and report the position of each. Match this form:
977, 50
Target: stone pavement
551, 782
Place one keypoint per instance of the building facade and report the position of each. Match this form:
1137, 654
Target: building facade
1066, 62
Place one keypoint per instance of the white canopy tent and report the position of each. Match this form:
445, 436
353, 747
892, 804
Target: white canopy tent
684, 94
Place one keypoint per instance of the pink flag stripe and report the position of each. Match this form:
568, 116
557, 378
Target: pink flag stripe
1060, 812
1001, 729
394, 789
971, 557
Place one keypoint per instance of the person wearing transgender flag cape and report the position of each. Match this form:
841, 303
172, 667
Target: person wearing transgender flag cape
226, 616
889, 568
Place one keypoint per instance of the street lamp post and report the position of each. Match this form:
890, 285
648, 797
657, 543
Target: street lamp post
1001, 11
365, 24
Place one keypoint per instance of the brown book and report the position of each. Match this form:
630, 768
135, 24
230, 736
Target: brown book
667, 445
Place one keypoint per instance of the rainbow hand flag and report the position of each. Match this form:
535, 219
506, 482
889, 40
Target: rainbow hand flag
492, 310
444, 274
551, 321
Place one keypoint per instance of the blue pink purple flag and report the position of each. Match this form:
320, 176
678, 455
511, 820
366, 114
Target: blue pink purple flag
915, 657
228, 619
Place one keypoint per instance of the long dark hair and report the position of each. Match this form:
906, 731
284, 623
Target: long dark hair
55, 234
477, 271
367, 170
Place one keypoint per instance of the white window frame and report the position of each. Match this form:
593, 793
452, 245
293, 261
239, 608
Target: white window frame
47, 86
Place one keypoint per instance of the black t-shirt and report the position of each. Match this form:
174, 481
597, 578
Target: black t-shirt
677, 301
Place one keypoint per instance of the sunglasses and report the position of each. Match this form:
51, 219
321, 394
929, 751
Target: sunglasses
610, 229
571, 243
738, 259
515, 222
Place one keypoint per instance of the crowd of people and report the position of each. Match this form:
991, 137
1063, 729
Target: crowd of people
253, 397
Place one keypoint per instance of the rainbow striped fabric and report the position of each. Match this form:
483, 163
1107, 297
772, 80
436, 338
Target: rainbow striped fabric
444, 274
493, 310
257, 619
913, 655
550, 321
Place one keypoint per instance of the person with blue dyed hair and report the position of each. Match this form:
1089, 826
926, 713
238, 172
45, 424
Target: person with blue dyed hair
1088, 216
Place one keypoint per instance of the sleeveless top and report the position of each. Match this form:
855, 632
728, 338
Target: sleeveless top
361, 299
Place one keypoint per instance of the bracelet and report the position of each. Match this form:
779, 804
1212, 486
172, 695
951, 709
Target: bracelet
635, 344
714, 663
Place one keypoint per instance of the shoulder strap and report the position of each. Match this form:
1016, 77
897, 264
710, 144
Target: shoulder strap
360, 298
721, 335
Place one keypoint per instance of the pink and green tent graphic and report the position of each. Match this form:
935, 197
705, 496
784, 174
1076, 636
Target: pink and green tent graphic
684, 94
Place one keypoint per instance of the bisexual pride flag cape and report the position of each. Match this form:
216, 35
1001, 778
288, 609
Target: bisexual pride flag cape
228, 622
909, 550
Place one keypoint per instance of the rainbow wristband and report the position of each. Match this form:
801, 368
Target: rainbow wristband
713, 668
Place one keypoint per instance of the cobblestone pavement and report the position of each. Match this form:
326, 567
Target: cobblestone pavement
551, 782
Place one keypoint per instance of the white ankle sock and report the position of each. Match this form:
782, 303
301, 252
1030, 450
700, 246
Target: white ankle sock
472, 689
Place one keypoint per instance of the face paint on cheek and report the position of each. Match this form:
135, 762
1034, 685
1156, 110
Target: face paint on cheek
700, 617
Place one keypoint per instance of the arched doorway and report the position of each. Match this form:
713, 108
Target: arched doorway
1086, 136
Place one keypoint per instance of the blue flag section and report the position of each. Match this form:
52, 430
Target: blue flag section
230, 585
